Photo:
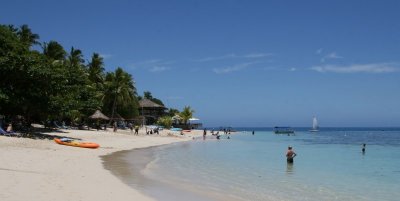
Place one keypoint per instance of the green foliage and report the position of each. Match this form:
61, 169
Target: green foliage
26, 37
41, 86
54, 51
96, 69
165, 121
172, 112
186, 114
23, 75
147, 95
54, 84
120, 94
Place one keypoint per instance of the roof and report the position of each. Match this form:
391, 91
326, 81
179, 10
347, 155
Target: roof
99, 115
148, 103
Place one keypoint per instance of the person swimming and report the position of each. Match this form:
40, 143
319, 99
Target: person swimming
290, 154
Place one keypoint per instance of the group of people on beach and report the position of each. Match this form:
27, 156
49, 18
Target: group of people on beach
227, 131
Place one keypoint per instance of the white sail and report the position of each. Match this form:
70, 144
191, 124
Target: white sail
314, 125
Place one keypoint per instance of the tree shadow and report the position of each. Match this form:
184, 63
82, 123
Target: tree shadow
44, 134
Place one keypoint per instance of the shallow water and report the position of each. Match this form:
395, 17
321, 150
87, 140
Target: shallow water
329, 166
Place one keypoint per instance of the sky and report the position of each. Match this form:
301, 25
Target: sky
240, 63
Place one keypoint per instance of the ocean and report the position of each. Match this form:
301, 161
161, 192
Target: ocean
329, 166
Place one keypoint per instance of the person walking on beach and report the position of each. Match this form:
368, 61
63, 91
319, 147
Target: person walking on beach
204, 134
130, 125
290, 154
136, 130
115, 126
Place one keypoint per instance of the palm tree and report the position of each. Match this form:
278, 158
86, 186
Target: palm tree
27, 37
13, 29
186, 114
96, 69
96, 75
147, 95
54, 51
75, 58
75, 68
120, 90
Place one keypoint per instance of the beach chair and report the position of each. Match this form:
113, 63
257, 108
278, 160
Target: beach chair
9, 134
56, 125
3, 132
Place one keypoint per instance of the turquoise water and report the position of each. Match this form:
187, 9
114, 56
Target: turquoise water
329, 166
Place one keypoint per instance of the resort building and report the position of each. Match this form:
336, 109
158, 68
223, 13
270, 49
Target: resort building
150, 111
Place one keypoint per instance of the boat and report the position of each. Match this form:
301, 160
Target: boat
283, 130
175, 129
314, 125
74, 143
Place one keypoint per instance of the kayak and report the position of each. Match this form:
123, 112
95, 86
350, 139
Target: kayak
73, 143
186, 130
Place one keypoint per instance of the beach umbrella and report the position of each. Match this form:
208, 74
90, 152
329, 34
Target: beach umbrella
99, 115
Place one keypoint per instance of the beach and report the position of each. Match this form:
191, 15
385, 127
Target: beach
40, 169
248, 167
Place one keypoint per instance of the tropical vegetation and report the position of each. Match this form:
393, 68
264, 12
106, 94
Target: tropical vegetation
42, 81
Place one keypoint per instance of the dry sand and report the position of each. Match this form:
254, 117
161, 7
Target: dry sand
43, 170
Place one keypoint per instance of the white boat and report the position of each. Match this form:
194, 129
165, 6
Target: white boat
314, 125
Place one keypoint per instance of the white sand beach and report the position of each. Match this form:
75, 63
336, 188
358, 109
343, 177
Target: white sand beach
43, 170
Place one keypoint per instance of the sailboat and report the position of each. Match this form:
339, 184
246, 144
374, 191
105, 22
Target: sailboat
314, 125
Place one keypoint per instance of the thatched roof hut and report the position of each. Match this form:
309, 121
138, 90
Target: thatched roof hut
99, 115
146, 103
150, 111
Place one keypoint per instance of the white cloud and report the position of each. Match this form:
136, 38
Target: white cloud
152, 65
319, 51
228, 56
106, 56
359, 68
235, 56
332, 55
232, 68
270, 68
157, 69
258, 55
152, 62
292, 69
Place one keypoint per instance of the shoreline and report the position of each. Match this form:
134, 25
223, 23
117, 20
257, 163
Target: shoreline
131, 167
43, 170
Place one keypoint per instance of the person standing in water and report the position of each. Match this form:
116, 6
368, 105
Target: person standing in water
363, 148
290, 154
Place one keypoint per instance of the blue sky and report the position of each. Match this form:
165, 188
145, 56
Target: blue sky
241, 63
